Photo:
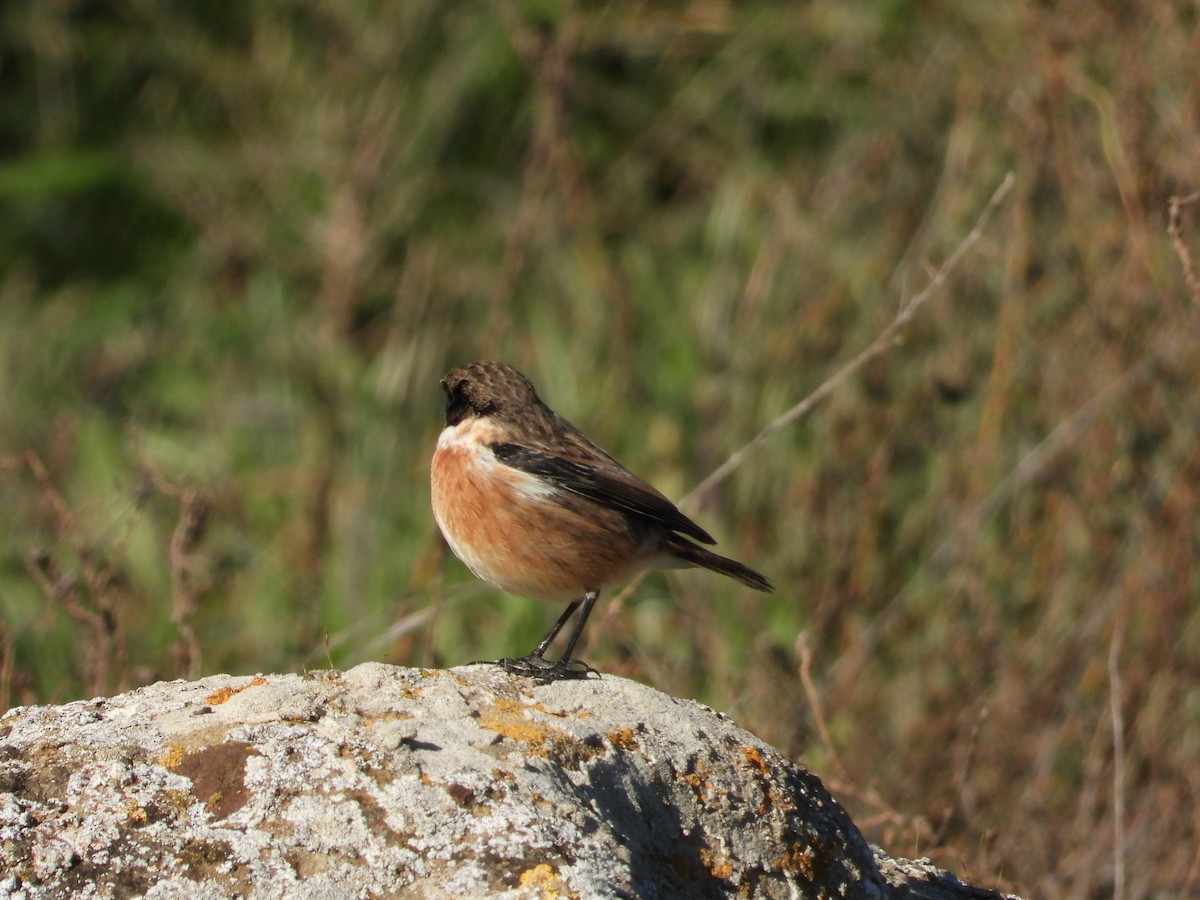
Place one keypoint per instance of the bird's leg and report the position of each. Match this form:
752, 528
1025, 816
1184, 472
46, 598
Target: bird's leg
589, 600
535, 665
540, 650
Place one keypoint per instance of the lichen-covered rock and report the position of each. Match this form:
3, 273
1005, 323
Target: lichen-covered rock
386, 782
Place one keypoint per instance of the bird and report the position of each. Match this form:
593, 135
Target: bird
533, 507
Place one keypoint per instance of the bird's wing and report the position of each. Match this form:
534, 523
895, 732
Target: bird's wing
603, 481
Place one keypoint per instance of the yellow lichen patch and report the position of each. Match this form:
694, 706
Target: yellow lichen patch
136, 814
530, 703
221, 695
392, 715
171, 757
214, 802
507, 719
412, 693
699, 784
177, 801
623, 739
545, 880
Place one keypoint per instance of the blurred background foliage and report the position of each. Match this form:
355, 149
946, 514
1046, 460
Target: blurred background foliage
239, 244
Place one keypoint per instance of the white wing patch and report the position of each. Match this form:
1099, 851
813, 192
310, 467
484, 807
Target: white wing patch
472, 437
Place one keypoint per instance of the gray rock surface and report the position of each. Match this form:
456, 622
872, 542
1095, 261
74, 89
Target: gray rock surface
389, 782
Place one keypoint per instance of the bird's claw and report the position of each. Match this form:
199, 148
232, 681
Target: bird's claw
542, 670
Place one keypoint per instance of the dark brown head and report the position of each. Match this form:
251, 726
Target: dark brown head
487, 388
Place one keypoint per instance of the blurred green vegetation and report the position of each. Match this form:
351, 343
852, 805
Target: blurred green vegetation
239, 244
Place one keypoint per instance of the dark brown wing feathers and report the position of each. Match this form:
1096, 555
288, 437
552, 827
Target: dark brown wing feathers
698, 556
613, 487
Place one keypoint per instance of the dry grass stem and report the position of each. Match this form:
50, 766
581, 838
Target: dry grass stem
1175, 230
816, 707
1118, 748
886, 339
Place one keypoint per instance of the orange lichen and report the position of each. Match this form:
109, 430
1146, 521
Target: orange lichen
756, 759
762, 771
508, 719
221, 695
623, 739
699, 781
718, 870
798, 859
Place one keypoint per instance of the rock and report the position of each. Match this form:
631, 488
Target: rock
389, 782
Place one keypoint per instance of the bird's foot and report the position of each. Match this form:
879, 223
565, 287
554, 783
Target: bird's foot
543, 671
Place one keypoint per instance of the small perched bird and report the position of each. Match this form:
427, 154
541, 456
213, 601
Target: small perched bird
533, 507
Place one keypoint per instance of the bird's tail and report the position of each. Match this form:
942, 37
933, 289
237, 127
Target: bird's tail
693, 555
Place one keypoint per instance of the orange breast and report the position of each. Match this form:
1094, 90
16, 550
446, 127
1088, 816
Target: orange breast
510, 531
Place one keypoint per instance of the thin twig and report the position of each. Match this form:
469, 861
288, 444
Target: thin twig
64, 518
1037, 460
185, 588
7, 665
964, 801
1193, 875
1175, 230
96, 609
885, 340
1118, 738
804, 651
